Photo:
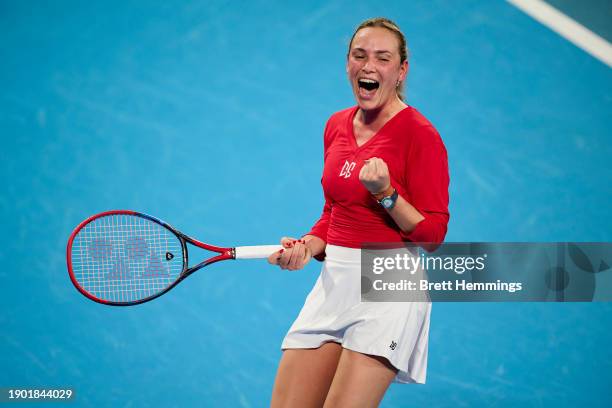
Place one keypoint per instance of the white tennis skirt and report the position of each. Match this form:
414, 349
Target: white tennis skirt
333, 312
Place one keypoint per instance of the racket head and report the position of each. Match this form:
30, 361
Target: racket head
123, 257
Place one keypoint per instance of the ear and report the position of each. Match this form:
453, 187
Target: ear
403, 70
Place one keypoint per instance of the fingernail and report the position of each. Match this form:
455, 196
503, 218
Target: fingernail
282, 250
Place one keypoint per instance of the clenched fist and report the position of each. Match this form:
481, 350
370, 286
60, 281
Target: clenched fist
374, 175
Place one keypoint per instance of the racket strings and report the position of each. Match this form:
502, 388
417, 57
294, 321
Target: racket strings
125, 258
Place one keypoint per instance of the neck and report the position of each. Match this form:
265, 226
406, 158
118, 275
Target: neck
382, 114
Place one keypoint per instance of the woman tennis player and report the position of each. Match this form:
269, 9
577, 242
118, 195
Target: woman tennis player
385, 179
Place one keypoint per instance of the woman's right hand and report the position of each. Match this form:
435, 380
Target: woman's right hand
294, 255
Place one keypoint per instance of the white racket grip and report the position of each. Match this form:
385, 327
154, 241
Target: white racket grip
258, 251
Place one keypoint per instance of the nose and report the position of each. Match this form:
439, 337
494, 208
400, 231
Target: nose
368, 66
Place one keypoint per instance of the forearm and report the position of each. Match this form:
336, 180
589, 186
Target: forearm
405, 215
315, 244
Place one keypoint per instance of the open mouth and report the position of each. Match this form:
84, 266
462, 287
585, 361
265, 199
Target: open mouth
368, 84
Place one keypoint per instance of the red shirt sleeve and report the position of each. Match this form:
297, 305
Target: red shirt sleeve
427, 184
320, 227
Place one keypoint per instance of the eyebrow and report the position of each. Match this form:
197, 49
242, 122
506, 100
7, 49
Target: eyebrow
376, 51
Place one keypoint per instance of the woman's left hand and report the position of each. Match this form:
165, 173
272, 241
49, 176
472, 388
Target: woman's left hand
374, 175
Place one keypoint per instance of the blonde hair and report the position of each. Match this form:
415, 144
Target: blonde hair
383, 22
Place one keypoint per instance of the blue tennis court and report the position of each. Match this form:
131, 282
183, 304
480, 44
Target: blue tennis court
209, 115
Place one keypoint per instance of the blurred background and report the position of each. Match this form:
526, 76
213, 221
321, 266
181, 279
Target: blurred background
209, 115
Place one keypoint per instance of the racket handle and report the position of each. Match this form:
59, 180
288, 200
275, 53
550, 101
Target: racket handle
258, 251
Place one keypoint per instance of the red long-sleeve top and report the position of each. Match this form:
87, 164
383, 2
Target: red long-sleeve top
418, 166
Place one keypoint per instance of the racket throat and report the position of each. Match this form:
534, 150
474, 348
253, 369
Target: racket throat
227, 254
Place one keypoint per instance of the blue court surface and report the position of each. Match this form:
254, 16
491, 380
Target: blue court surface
210, 114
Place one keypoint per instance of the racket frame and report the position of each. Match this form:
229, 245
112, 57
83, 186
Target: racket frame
225, 253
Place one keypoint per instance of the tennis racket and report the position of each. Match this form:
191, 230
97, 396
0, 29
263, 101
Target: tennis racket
125, 258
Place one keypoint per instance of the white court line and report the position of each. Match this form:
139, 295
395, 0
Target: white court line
567, 28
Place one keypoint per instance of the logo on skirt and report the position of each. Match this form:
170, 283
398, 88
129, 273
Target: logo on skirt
393, 345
